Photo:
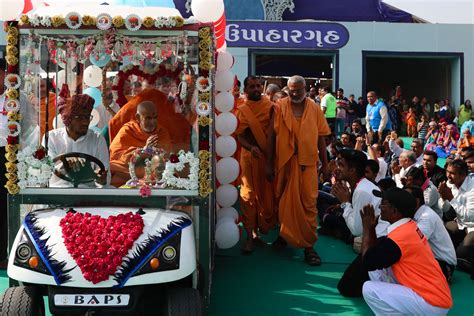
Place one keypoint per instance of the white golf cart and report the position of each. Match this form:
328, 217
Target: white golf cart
146, 247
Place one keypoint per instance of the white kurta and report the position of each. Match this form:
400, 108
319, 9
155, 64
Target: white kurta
92, 144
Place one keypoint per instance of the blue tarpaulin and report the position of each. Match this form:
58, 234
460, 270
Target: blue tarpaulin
324, 10
346, 10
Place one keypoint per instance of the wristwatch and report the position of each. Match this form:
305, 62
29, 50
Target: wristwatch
345, 204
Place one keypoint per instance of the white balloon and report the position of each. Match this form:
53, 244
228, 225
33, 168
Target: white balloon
227, 212
71, 63
224, 101
226, 195
207, 10
224, 80
226, 123
95, 118
227, 170
225, 60
93, 76
227, 235
224, 219
10, 9
61, 79
225, 146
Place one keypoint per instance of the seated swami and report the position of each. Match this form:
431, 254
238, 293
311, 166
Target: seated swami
144, 131
177, 125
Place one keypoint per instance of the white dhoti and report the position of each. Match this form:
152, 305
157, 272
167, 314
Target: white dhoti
386, 297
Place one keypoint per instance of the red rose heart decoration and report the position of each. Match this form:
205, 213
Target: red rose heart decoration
98, 245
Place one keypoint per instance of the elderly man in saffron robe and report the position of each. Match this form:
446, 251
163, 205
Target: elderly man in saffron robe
297, 136
142, 132
256, 194
177, 124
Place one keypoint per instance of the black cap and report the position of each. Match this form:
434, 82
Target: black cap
402, 200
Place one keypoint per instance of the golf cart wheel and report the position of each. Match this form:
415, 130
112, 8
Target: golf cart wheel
21, 301
183, 302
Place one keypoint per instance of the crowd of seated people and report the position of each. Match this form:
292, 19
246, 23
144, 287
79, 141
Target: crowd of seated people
443, 194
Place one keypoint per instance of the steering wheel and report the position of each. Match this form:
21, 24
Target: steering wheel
85, 174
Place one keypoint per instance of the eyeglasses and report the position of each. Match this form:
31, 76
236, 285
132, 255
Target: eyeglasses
83, 117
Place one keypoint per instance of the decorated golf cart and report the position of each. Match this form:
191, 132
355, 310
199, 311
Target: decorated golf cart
146, 245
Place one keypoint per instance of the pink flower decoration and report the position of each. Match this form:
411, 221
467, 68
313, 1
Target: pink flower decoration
145, 191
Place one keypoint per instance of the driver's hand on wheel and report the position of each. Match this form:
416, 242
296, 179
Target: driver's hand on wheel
76, 163
101, 176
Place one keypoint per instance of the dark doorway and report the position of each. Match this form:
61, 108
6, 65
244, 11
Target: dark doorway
436, 77
287, 65
276, 66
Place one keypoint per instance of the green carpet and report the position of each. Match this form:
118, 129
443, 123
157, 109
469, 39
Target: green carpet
280, 283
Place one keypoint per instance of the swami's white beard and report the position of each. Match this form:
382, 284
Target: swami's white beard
300, 100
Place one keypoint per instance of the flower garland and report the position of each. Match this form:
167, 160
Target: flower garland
205, 44
12, 94
204, 121
103, 21
108, 43
178, 164
35, 167
150, 76
98, 245
205, 185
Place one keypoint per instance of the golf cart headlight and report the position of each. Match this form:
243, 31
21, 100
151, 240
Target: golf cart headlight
23, 252
169, 253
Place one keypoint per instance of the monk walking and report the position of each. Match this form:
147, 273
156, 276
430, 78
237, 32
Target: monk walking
142, 132
256, 194
299, 127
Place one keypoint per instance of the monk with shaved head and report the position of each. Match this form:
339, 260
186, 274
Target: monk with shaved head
295, 140
143, 132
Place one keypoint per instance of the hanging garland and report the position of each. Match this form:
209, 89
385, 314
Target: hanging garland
150, 76
111, 44
103, 21
12, 94
204, 110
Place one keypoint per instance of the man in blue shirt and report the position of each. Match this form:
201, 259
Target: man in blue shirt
377, 118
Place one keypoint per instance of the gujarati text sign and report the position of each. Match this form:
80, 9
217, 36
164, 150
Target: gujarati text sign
286, 34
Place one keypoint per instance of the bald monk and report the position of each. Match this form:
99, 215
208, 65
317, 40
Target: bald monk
178, 126
297, 135
142, 132
256, 194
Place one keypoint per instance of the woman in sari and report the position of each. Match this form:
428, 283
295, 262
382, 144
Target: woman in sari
446, 143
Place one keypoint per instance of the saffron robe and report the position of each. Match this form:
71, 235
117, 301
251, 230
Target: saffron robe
51, 114
256, 193
296, 170
129, 138
178, 127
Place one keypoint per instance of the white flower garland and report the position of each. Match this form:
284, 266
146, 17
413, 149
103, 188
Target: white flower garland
32, 171
189, 183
